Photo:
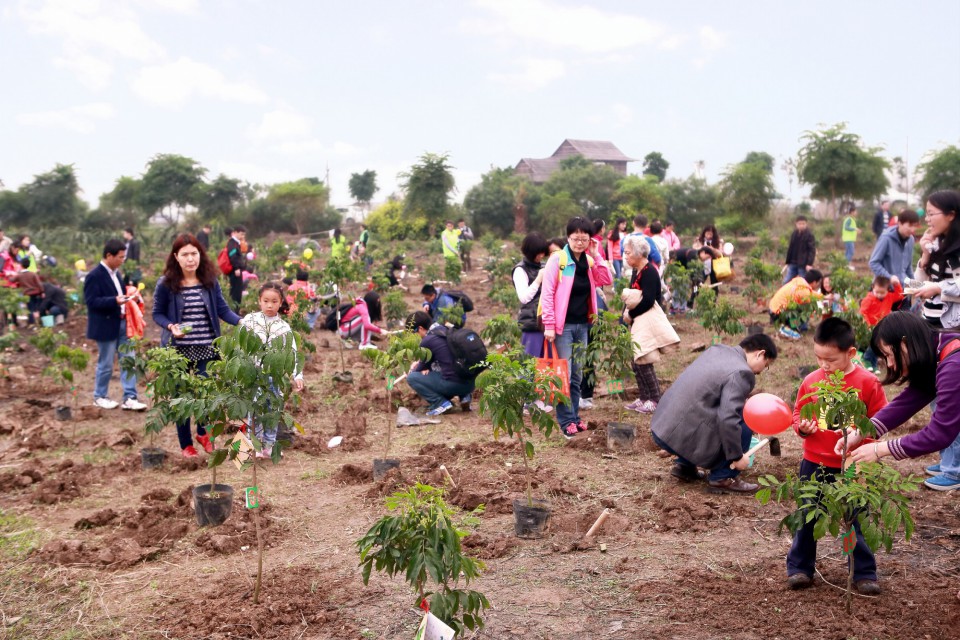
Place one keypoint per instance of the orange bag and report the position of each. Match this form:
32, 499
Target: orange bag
134, 313
556, 365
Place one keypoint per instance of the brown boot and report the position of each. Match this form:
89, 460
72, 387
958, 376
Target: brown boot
731, 485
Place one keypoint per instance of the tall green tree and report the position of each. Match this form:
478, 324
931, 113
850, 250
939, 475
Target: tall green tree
552, 213
491, 202
304, 199
428, 186
169, 185
655, 165
762, 158
50, 200
836, 164
643, 194
363, 186
119, 207
218, 199
591, 186
692, 203
939, 170
746, 191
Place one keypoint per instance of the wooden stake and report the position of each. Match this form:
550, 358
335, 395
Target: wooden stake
448, 476
599, 523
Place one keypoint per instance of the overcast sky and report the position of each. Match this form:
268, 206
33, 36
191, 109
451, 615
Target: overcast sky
274, 90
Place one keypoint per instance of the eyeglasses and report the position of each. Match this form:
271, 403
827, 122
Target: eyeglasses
579, 239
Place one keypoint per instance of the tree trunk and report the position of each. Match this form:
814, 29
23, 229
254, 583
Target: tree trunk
256, 523
520, 218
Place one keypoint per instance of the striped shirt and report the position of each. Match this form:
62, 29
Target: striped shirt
933, 308
196, 317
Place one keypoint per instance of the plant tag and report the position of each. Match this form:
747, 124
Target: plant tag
433, 628
244, 448
252, 495
390, 381
614, 386
849, 541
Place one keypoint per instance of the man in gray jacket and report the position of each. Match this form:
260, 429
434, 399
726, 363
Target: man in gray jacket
700, 417
892, 256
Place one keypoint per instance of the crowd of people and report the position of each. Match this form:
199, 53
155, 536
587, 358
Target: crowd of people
913, 308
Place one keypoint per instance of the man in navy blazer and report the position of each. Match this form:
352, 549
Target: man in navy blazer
105, 300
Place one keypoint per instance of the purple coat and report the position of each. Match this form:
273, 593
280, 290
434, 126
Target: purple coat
944, 424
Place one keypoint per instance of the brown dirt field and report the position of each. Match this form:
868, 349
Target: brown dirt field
91, 546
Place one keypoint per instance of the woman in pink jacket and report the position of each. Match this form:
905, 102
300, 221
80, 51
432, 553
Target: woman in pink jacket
358, 322
569, 302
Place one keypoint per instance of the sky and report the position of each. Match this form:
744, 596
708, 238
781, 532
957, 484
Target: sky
275, 90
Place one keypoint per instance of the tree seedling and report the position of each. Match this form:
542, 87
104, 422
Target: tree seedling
503, 331
340, 272
403, 349
423, 543
870, 494
510, 384
718, 314
610, 353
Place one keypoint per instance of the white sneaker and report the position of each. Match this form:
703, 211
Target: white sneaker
543, 406
586, 403
106, 403
363, 347
132, 404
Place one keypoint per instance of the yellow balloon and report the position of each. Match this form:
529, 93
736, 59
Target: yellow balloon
308, 253
288, 263
141, 287
80, 264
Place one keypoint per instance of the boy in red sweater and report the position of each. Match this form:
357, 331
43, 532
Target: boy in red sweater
835, 348
876, 306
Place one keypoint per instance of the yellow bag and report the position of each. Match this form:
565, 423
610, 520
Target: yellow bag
721, 268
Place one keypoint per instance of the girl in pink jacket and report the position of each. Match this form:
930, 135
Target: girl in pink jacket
569, 303
358, 322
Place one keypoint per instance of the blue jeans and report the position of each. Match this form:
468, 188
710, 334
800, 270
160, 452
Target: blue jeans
572, 334
794, 270
267, 435
436, 389
950, 460
803, 552
870, 358
721, 472
311, 317
107, 353
848, 251
617, 268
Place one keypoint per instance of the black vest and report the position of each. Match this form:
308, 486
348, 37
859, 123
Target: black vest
527, 318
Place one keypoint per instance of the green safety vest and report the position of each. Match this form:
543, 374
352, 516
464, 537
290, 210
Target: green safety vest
849, 233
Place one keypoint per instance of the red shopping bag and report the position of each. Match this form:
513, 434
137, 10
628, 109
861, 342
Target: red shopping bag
552, 363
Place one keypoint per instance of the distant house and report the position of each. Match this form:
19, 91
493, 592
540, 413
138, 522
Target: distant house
539, 170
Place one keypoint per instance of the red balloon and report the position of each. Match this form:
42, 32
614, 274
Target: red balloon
767, 414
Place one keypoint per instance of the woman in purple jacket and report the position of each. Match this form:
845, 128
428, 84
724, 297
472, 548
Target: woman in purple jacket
928, 362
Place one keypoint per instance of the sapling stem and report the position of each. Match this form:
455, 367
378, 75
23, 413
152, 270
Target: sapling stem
256, 524
526, 468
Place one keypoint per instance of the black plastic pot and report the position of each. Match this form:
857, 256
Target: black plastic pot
620, 435
152, 457
343, 376
63, 414
530, 521
212, 508
382, 465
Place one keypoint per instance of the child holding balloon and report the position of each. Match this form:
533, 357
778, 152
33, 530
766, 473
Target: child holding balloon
834, 345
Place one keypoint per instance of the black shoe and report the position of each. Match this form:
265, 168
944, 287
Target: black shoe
732, 485
687, 474
868, 587
799, 581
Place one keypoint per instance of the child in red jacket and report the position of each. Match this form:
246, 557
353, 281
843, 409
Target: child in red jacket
876, 306
834, 344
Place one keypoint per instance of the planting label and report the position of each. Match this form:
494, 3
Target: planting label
849, 541
252, 496
433, 628
614, 386
390, 381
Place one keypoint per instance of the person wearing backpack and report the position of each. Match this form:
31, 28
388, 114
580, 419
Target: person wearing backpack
238, 262
439, 379
436, 300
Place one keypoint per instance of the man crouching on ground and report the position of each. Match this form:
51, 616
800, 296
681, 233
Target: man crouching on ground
700, 417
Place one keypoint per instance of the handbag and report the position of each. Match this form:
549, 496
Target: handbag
555, 365
722, 268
